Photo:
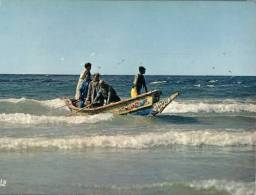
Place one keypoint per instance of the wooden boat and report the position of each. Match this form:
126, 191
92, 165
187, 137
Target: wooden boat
146, 101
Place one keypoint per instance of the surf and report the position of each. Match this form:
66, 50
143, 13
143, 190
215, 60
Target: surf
137, 141
51, 103
30, 119
214, 186
33, 106
209, 107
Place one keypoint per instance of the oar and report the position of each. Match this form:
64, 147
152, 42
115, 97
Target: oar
88, 106
59, 107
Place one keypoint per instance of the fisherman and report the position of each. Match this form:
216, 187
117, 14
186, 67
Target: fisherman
83, 92
106, 94
93, 89
139, 82
84, 76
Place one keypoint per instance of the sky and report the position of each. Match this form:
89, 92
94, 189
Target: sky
167, 37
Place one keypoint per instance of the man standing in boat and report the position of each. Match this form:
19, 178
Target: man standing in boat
84, 91
139, 82
106, 94
84, 76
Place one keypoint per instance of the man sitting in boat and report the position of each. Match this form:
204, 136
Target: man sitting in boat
93, 89
84, 76
106, 94
139, 82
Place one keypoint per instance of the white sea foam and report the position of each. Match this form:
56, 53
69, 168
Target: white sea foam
174, 107
212, 81
53, 103
158, 82
21, 118
198, 85
146, 140
13, 100
210, 86
230, 187
196, 107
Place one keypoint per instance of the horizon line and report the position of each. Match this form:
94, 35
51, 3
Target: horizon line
53, 74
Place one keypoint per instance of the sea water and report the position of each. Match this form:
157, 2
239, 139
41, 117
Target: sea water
203, 142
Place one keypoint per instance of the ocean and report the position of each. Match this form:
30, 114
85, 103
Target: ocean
202, 144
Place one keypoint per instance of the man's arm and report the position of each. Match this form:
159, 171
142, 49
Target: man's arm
144, 84
97, 97
83, 74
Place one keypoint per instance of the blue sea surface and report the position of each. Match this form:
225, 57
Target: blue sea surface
203, 143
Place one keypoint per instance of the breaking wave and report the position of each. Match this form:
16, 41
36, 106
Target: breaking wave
28, 119
158, 82
230, 187
196, 107
53, 103
141, 141
212, 81
32, 106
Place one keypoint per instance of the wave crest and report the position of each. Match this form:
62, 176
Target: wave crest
231, 187
147, 140
24, 105
158, 82
28, 119
196, 107
53, 103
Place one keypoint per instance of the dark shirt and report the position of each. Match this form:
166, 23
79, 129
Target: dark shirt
139, 82
106, 93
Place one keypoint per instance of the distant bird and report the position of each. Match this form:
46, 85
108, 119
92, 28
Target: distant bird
122, 61
213, 68
98, 68
92, 54
230, 71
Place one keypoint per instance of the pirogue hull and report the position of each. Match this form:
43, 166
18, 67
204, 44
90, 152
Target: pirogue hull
146, 101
